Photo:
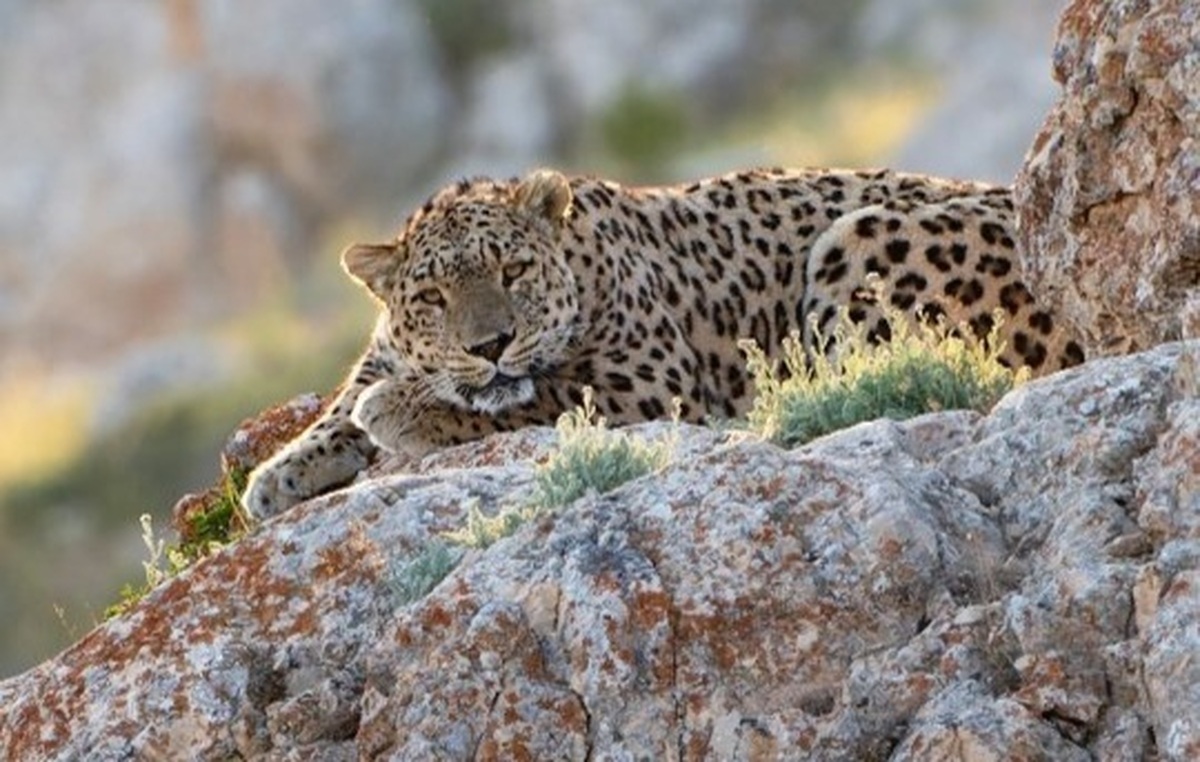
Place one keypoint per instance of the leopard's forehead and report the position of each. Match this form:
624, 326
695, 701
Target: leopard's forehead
465, 226
466, 198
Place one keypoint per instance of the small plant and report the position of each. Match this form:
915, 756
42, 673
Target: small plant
163, 563
917, 371
414, 581
591, 458
222, 520
481, 531
220, 523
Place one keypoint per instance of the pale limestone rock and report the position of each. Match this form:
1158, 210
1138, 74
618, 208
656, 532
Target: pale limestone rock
956, 586
1109, 199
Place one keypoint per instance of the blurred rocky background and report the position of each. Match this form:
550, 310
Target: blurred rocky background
177, 177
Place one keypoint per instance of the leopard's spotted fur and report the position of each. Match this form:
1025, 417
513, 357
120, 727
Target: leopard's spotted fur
502, 300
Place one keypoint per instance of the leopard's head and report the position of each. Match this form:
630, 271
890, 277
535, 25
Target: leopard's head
478, 292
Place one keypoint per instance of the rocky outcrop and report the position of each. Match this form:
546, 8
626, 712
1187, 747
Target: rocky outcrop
1109, 200
1023, 584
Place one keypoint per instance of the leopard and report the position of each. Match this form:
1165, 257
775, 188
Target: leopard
503, 301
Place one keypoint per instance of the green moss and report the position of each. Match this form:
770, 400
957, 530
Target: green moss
225, 520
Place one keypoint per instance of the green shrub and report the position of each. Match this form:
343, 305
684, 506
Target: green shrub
221, 522
482, 530
918, 371
423, 573
591, 458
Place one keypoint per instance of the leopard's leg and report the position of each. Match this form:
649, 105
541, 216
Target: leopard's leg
394, 413
953, 259
328, 453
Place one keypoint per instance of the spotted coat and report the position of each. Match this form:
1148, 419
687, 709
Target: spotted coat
503, 300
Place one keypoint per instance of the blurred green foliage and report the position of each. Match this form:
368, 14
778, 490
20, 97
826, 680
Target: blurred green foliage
467, 31
85, 509
644, 129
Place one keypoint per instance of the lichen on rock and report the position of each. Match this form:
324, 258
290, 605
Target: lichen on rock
1109, 199
1024, 580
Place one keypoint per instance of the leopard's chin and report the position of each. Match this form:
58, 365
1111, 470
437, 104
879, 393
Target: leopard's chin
502, 393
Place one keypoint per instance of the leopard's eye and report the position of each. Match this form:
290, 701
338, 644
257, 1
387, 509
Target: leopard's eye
432, 297
514, 270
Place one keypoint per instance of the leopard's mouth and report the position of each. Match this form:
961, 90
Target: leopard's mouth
501, 393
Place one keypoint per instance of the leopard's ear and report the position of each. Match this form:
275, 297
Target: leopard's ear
544, 194
375, 265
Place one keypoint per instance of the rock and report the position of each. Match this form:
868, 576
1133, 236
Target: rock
253, 441
1026, 582
1108, 201
190, 152
257, 438
316, 98
991, 62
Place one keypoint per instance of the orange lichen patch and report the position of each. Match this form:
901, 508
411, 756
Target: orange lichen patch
354, 561
306, 622
436, 618
510, 713
649, 609
771, 489
335, 561
569, 710
257, 438
533, 664
765, 536
890, 549
727, 637
697, 746
1180, 588
28, 728
1051, 684
921, 685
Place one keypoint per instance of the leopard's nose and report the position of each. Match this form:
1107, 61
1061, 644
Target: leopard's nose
491, 350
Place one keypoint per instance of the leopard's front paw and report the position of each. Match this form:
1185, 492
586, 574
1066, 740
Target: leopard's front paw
271, 490
389, 411
325, 458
